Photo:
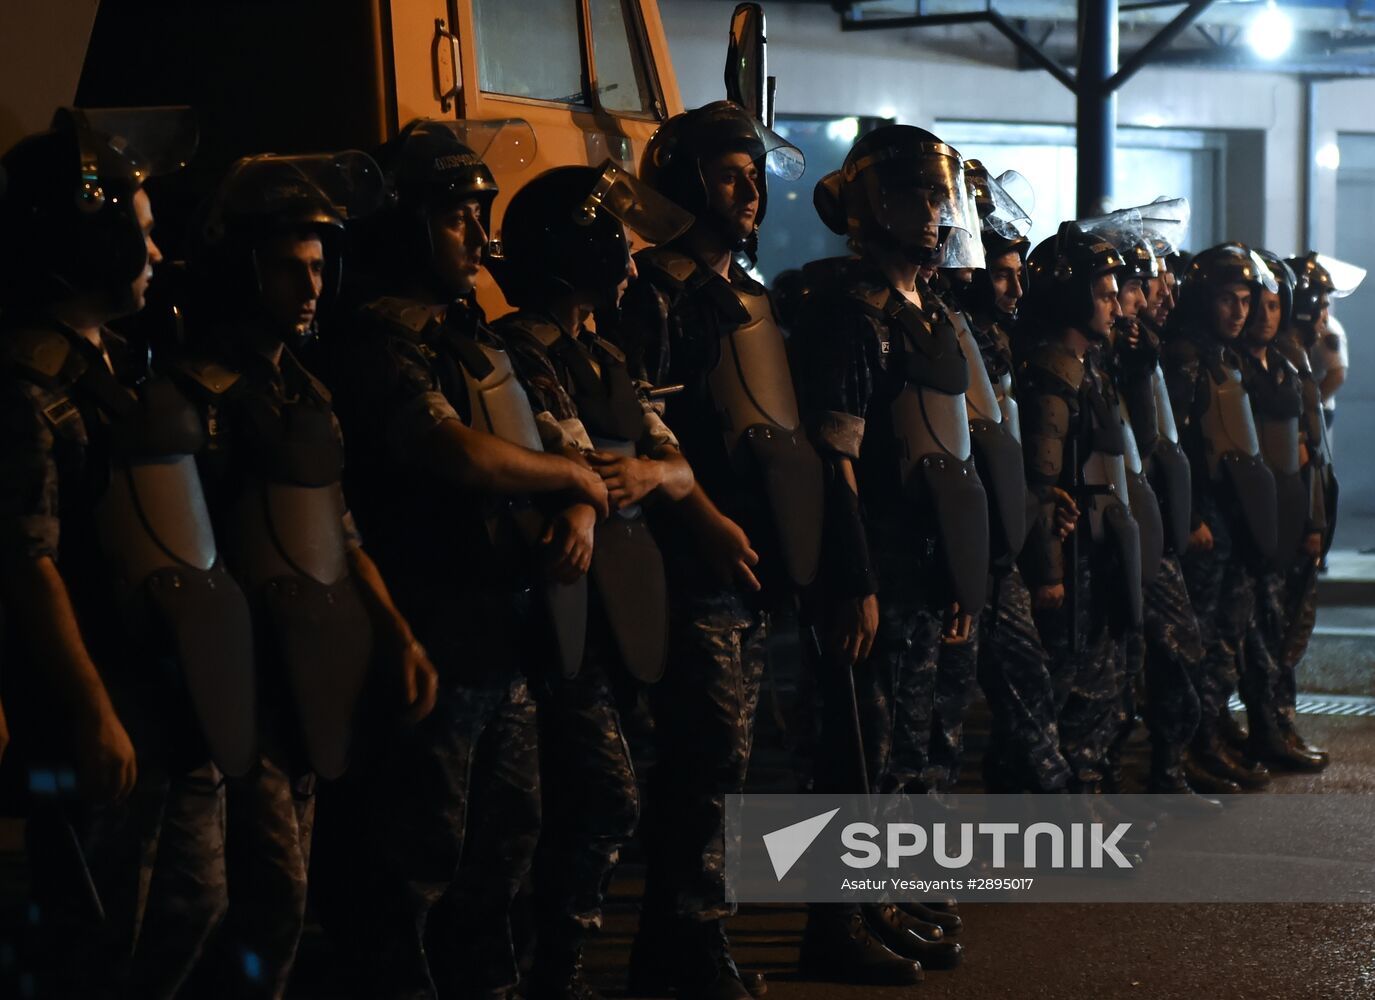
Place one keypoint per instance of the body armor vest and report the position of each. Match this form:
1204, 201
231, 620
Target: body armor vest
1232, 448
1169, 469
499, 406
1279, 446
1144, 506
751, 390
291, 554
155, 531
997, 450
1108, 492
627, 566
931, 426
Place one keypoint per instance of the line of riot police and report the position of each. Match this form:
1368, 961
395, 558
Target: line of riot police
361, 613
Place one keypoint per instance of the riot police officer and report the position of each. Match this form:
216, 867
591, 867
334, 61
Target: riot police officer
272, 470
907, 545
738, 545
566, 257
130, 651
1013, 669
1168, 653
1276, 389
1087, 591
445, 460
1234, 501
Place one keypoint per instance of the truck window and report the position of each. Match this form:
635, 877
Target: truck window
623, 82
530, 49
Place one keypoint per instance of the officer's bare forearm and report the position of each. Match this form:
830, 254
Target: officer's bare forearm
676, 478
1331, 382
41, 613
484, 462
377, 598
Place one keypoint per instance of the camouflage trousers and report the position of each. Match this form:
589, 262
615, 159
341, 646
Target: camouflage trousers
155, 861
421, 849
1087, 682
1267, 684
1222, 589
1014, 673
1173, 657
156, 864
703, 711
1301, 614
590, 800
269, 819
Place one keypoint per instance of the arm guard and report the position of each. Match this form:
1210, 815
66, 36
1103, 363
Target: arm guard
846, 566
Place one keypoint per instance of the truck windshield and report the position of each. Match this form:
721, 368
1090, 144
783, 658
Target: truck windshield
530, 49
622, 77
534, 49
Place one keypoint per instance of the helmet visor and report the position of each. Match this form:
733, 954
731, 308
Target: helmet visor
1009, 218
1166, 224
128, 144
350, 181
913, 192
504, 145
963, 246
638, 206
1262, 275
1124, 230
1346, 278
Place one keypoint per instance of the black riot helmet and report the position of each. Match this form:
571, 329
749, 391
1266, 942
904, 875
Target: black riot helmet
266, 196
566, 231
1125, 230
1317, 275
432, 166
896, 182
1215, 268
1061, 272
1004, 220
1285, 280
675, 156
68, 215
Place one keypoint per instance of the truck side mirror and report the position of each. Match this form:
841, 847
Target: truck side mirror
747, 81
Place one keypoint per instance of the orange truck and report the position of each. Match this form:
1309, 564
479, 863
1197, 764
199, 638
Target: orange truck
592, 78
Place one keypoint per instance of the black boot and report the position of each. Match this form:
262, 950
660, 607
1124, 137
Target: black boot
1167, 778
557, 972
931, 916
1204, 781
838, 947
690, 959
1210, 753
1283, 751
1299, 744
899, 932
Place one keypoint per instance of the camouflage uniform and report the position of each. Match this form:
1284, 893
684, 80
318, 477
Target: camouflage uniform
270, 810
851, 373
157, 858
1015, 675
1089, 683
446, 813
1221, 582
1166, 656
591, 803
704, 708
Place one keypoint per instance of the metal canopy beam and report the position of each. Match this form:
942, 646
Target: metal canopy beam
1095, 84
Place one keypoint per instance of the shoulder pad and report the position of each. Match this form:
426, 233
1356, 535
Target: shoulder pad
609, 349
211, 376
669, 266
847, 277
404, 317
40, 351
1060, 364
537, 328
